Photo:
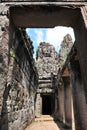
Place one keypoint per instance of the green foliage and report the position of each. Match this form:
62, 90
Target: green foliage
12, 53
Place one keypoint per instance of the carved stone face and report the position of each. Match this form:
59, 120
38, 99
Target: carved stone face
46, 51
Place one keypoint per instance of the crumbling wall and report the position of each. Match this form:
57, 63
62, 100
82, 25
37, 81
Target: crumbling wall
4, 23
18, 79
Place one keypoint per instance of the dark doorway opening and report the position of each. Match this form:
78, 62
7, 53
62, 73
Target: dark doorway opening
46, 105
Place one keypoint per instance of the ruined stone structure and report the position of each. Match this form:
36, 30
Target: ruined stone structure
19, 82
71, 97
47, 67
46, 60
66, 46
64, 109
72, 79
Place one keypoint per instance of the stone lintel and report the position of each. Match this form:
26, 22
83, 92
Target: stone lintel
4, 6
72, 3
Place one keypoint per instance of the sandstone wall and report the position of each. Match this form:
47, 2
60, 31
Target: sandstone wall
3, 56
66, 46
19, 85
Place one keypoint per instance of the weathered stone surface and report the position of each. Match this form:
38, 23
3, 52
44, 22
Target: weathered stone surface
66, 46
74, 15
47, 66
4, 24
19, 85
46, 60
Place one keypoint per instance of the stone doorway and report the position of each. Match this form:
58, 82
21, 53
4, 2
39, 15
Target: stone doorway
55, 15
46, 105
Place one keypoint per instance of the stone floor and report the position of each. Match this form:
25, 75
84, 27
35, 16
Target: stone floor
46, 123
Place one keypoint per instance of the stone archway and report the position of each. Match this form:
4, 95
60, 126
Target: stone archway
50, 15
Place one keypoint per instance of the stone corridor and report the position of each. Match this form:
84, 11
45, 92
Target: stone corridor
46, 122
49, 92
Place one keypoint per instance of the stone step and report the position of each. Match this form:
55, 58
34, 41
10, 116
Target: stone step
44, 118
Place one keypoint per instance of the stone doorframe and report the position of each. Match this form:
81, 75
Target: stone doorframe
46, 14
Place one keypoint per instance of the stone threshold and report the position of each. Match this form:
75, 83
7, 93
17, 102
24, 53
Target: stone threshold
45, 118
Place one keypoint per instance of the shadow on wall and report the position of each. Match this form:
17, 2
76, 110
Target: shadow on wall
14, 96
4, 112
9, 98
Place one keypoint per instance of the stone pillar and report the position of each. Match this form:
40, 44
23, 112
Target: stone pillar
73, 118
81, 37
56, 106
67, 101
79, 100
38, 110
79, 83
61, 102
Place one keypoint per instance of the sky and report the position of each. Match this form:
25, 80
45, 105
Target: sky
53, 36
